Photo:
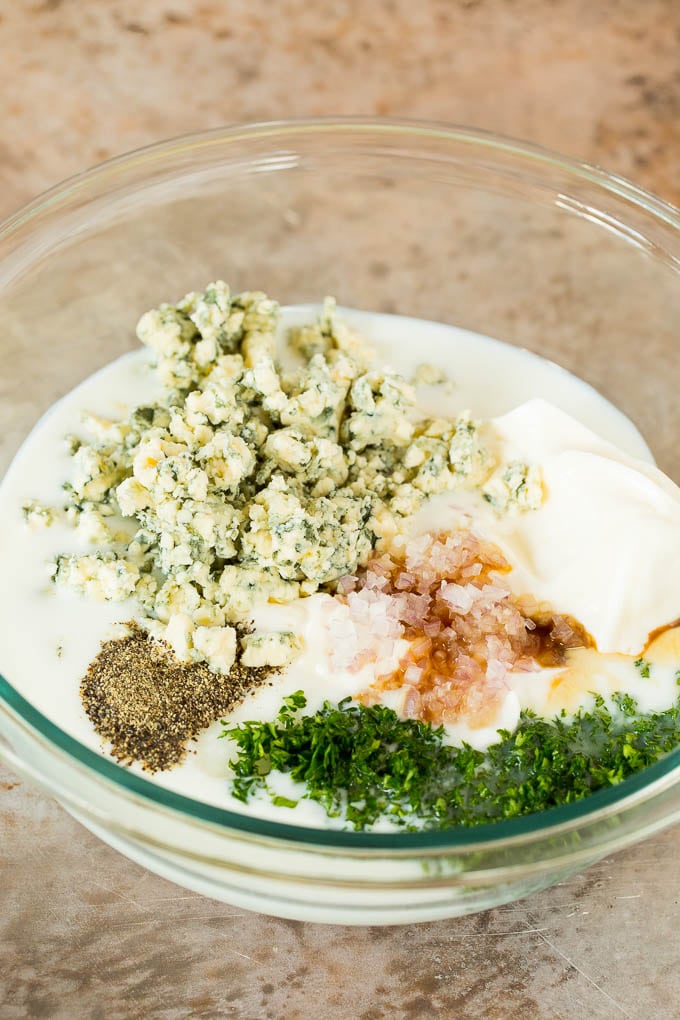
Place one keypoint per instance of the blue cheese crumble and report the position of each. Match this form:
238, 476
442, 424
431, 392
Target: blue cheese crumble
246, 484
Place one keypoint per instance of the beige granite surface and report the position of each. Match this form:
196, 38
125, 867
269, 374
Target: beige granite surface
85, 933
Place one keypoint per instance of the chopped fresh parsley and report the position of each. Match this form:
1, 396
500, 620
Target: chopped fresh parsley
643, 667
365, 763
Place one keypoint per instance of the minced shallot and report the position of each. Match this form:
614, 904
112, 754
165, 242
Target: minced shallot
447, 596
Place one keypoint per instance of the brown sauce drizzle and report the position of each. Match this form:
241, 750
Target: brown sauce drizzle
658, 632
556, 634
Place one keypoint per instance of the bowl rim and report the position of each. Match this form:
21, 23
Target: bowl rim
615, 184
598, 805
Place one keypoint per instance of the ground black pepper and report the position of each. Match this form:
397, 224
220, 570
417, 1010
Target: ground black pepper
148, 705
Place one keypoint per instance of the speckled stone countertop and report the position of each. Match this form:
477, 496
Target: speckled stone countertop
84, 932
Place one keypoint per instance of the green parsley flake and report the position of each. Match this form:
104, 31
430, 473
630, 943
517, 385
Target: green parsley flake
365, 763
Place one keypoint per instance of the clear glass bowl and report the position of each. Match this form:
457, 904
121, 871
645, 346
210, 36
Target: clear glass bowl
417, 219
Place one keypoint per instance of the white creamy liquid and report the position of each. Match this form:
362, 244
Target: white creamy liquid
49, 635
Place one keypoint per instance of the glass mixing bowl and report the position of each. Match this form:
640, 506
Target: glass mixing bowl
423, 220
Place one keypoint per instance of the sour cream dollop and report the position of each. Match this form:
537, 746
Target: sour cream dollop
604, 547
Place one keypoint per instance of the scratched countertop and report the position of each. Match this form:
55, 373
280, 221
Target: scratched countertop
83, 931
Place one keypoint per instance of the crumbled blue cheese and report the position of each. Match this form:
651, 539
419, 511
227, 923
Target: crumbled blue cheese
328, 335
37, 515
101, 575
448, 454
245, 484
427, 374
92, 524
270, 648
380, 406
516, 487
315, 539
216, 646
242, 587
